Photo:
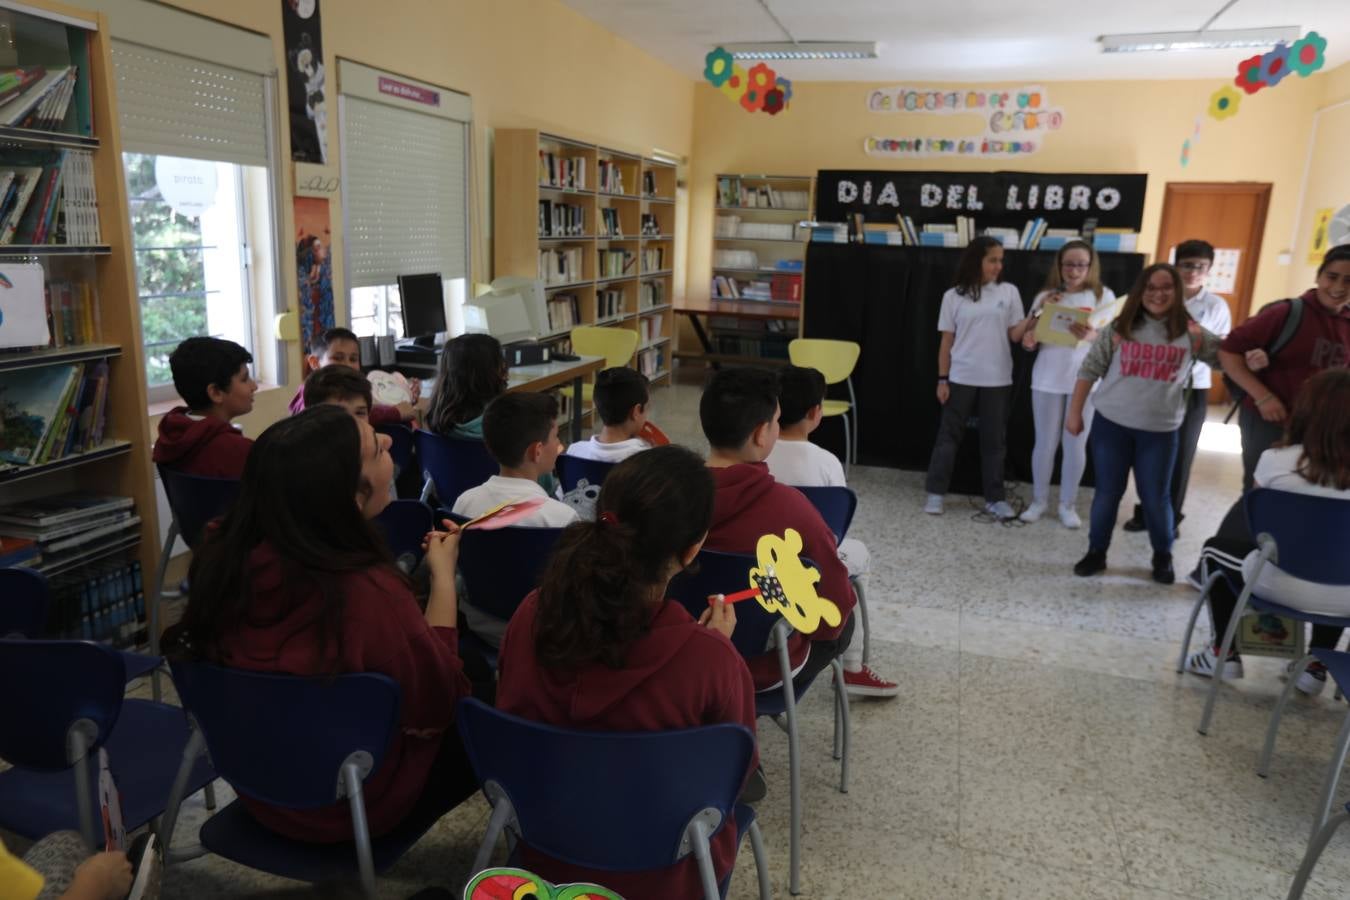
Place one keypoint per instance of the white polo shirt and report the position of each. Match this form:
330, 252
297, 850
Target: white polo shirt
982, 353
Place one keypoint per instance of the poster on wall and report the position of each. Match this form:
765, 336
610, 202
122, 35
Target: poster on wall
1222, 278
305, 89
1015, 120
1320, 238
314, 268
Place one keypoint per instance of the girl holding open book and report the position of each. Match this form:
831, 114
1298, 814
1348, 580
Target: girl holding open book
1074, 283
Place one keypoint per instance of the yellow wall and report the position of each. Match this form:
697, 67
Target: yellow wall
525, 63
1109, 126
1328, 176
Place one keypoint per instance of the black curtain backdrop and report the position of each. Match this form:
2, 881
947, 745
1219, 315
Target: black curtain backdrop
887, 299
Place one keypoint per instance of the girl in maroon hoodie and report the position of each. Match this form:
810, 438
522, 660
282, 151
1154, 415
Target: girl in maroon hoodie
294, 580
598, 646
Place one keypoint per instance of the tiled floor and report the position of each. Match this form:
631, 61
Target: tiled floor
1043, 747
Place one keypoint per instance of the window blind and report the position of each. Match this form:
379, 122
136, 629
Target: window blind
404, 177
175, 106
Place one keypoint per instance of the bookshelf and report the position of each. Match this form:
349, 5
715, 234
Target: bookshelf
52, 35
597, 225
758, 264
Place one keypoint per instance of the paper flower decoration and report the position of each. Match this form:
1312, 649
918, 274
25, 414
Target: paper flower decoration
1306, 56
1186, 152
786, 87
717, 66
510, 884
1275, 65
759, 81
1249, 75
1224, 103
773, 102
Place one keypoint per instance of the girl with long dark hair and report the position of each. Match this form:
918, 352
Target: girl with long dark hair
471, 372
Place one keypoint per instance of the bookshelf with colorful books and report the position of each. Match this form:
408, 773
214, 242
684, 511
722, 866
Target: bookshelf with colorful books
76, 488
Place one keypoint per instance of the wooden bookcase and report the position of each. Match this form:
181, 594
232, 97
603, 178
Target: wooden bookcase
619, 232
121, 465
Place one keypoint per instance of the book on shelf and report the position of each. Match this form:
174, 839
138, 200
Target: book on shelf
40, 204
104, 601
608, 304
609, 223
563, 311
650, 227
1010, 238
652, 293
63, 509
18, 551
50, 412
654, 259
561, 219
1115, 240
786, 288
72, 313
829, 233
733, 192
37, 101
758, 289
735, 259
557, 171
724, 288
560, 265
650, 327
610, 176
652, 361
614, 263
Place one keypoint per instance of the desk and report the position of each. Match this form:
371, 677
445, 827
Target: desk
547, 375
759, 310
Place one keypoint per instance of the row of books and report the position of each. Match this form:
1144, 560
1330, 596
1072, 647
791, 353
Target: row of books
561, 219
562, 171
72, 313
34, 97
610, 175
609, 222
614, 263
650, 327
782, 288
38, 531
735, 259
652, 362
40, 202
50, 412
608, 304
654, 259
742, 345
1034, 235
564, 312
560, 265
731, 192
105, 602
650, 226
733, 227
652, 293
649, 184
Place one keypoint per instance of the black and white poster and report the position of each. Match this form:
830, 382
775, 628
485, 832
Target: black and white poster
305, 88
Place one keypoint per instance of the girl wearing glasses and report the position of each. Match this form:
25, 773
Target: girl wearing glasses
1143, 362
1075, 281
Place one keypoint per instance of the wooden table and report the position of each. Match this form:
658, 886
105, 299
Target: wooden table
762, 310
547, 375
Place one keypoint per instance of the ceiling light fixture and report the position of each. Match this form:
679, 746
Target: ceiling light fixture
804, 50
1234, 38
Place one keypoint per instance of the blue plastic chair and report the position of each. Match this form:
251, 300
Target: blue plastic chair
63, 701
450, 466
27, 609
404, 523
572, 469
298, 743
401, 446
836, 506
758, 630
646, 804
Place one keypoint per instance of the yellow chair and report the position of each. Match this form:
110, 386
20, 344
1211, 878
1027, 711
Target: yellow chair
836, 361
616, 345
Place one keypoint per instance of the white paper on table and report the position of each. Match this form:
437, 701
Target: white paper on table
23, 311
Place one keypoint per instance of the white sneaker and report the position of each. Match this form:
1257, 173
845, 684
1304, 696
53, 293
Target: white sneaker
1202, 664
933, 505
1000, 510
1068, 517
1033, 512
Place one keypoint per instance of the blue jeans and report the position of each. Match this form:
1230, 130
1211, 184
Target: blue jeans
1115, 449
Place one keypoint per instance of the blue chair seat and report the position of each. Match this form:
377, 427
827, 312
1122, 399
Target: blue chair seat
144, 751
139, 664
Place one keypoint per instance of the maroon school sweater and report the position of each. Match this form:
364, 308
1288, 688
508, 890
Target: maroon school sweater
679, 674
383, 631
1321, 342
210, 447
750, 504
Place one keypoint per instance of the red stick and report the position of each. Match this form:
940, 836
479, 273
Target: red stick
747, 594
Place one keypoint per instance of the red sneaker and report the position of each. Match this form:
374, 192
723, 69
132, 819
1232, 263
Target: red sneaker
866, 683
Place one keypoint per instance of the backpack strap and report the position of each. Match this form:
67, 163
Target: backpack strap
1290, 328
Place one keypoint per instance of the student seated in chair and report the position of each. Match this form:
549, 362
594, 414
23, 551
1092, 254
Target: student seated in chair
796, 461
339, 347
521, 432
294, 580
213, 378
340, 386
620, 398
739, 413
599, 647
471, 372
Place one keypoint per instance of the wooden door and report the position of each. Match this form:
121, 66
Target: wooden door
1232, 217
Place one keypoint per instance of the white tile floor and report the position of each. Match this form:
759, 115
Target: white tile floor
1043, 746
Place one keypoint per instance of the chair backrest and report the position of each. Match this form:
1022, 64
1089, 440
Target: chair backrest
49, 687
283, 739
834, 359
836, 506
501, 566
725, 573
571, 469
404, 523
401, 448
24, 609
454, 464
616, 345
606, 800
195, 500
1309, 532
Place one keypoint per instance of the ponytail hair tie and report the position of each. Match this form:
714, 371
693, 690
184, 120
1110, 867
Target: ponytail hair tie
608, 518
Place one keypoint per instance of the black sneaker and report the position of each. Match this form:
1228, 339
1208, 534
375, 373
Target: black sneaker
1136, 522
1162, 569
1094, 562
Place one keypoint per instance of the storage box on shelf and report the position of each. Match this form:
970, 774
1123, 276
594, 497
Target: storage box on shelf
72, 408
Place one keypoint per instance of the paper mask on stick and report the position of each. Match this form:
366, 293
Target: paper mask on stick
783, 584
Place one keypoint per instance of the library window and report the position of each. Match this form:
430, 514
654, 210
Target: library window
376, 310
190, 222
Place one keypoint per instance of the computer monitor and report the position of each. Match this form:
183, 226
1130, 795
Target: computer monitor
423, 304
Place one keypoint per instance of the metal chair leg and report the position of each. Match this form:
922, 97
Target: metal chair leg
794, 770
841, 719
1313, 853
156, 603
501, 812
853, 415
1239, 610
703, 855
1273, 728
761, 861
209, 795
351, 775
862, 611
848, 442
1333, 776
195, 747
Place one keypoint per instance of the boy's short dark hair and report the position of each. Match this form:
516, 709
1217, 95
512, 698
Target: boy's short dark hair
799, 389
340, 383
736, 402
319, 345
617, 391
1195, 249
512, 422
199, 362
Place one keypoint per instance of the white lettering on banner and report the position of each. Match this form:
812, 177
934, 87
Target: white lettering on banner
1054, 196
867, 192
1013, 202
954, 192
890, 197
1108, 198
973, 198
848, 192
1080, 197
930, 195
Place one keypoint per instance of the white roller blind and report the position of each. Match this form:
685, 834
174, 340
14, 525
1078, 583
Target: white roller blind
404, 177
175, 106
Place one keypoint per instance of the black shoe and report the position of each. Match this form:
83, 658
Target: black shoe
1136, 522
1162, 569
1094, 562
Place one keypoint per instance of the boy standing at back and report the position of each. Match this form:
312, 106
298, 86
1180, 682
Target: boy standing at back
621, 402
213, 378
339, 347
794, 460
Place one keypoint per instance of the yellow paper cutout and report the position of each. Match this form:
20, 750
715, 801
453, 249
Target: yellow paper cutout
734, 86
1318, 248
787, 586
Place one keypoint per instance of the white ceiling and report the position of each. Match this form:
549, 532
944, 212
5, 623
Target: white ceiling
963, 40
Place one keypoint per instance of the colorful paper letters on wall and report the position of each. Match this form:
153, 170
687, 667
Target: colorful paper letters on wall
1012, 118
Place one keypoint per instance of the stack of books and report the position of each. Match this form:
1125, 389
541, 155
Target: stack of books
561, 220
50, 412
66, 527
1115, 240
33, 97
653, 293
563, 312
611, 177
731, 192
654, 259
609, 223
49, 203
614, 263
608, 305
562, 171
649, 328
829, 233
735, 259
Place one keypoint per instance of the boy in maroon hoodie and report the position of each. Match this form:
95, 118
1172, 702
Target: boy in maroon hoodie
739, 414
339, 347
213, 378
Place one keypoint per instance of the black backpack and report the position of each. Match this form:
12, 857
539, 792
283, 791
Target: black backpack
1287, 332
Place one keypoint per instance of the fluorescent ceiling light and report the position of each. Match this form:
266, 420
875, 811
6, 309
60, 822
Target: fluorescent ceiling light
1199, 40
804, 50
